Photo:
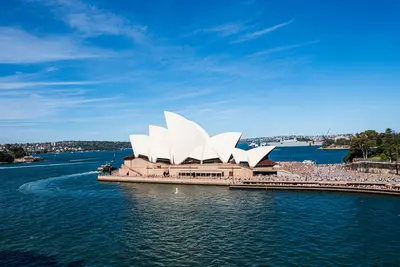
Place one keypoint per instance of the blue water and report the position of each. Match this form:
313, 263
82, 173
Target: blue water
55, 213
304, 153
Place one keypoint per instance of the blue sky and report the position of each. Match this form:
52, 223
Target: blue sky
102, 69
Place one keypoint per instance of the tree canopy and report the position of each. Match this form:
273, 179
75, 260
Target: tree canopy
17, 152
6, 157
11, 152
370, 143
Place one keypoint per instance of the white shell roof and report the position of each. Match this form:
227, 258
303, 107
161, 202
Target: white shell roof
184, 135
184, 138
239, 155
140, 144
255, 155
159, 143
252, 156
224, 144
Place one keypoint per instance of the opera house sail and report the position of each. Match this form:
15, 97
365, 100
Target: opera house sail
183, 142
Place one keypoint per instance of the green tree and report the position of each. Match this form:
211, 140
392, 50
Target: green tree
6, 157
17, 152
395, 150
388, 144
327, 143
352, 155
364, 142
342, 142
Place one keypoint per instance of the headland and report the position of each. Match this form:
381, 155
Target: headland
283, 176
184, 153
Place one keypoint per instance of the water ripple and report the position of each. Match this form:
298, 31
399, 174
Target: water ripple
70, 219
49, 185
41, 165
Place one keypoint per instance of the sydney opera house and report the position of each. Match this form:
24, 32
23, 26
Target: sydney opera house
184, 149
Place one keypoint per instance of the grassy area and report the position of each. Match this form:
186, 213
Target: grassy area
375, 158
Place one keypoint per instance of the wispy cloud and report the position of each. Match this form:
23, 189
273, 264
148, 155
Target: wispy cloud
283, 48
258, 34
92, 21
35, 106
228, 70
226, 29
12, 125
50, 69
37, 80
19, 85
18, 47
209, 80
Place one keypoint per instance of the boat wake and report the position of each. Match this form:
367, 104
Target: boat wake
49, 185
78, 160
41, 165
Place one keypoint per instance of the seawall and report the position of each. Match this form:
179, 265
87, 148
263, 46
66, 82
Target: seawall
224, 182
320, 188
339, 186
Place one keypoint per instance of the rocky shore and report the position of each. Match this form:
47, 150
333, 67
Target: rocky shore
28, 159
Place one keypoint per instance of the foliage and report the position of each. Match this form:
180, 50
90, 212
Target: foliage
370, 144
17, 152
6, 157
303, 139
338, 142
352, 155
364, 142
327, 143
11, 152
342, 142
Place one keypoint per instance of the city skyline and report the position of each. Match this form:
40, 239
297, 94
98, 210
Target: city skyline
101, 70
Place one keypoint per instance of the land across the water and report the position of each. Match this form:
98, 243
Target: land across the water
289, 176
334, 147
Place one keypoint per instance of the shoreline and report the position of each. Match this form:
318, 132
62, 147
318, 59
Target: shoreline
338, 186
153, 180
342, 189
289, 176
334, 148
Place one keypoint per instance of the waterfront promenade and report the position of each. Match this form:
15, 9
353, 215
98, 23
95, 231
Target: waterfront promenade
292, 176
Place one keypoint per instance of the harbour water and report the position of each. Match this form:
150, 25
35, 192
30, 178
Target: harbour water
56, 213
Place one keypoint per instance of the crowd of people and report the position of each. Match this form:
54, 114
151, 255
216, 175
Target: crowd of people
335, 175
334, 172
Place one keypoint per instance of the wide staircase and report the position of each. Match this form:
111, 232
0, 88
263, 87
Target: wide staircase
131, 170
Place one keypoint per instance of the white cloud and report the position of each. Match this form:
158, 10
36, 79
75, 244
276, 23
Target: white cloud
258, 34
50, 69
91, 21
12, 125
226, 29
20, 85
283, 48
31, 80
18, 47
35, 106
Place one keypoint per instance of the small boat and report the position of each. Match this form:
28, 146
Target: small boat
113, 160
253, 145
106, 168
